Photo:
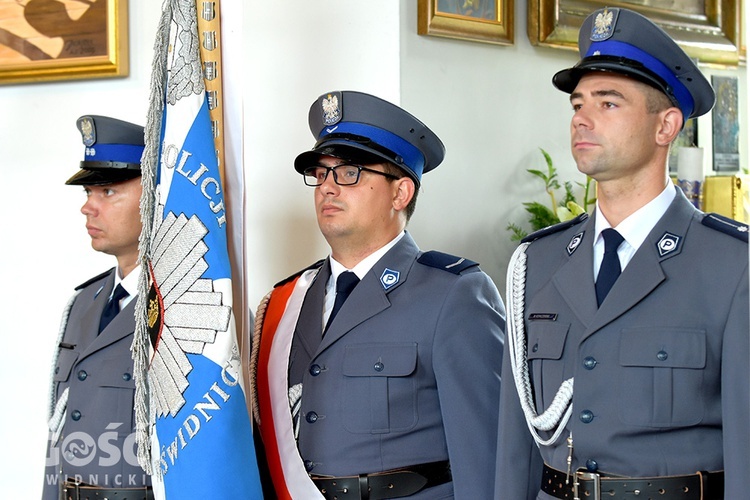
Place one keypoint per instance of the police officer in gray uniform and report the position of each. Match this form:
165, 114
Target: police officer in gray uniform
91, 448
626, 370
395, 394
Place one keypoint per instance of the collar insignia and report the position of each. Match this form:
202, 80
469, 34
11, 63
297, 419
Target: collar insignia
667, 244
389, 278
331, 109
574, 242
604, 25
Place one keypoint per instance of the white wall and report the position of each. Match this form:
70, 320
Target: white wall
492, 106
46, 251
295, 56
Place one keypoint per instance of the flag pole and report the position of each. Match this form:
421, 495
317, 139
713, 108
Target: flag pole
193, 430
209, 29
211, 51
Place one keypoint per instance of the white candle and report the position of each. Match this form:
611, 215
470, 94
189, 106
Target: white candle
690, 164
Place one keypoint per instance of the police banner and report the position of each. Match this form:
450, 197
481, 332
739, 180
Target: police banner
193, 429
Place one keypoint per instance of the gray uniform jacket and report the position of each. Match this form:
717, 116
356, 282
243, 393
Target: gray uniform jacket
96, 445
660, 371
405, 375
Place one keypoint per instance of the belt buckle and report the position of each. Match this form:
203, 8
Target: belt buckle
75, 485
585, 475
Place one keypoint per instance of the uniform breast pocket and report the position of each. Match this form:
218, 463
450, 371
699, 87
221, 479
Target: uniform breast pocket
662, 376
545, 346
65, 361
117, 387
379, 393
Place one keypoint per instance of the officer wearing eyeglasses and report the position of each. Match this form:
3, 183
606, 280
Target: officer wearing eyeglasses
378, 368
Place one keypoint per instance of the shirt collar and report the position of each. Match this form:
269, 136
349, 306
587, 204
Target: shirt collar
635, 228
364, 266
129, 282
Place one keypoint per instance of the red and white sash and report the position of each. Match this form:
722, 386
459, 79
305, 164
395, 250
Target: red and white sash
288, 473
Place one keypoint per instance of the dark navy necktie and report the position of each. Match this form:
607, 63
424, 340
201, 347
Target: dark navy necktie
344, 286
112, 307
610, 268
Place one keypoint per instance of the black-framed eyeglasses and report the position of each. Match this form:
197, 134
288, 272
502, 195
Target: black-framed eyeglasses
343, 175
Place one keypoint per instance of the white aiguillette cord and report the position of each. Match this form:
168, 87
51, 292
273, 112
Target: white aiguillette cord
57, 407
558, 413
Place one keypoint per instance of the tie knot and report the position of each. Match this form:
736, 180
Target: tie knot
119, 293
346, 282
612, 240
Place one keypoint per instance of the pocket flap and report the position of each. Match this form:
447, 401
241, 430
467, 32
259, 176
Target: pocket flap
119, 373
546, 339
663, 347
380, 360
65, 361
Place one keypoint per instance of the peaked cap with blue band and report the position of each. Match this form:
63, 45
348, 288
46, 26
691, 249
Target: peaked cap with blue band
365, 129
113, 151
623, 41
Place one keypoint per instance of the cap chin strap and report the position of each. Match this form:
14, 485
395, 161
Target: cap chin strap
105, 165
557, 415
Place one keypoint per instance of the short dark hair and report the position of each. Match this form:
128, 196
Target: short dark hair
657, 101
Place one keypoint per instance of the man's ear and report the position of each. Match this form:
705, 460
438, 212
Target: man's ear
670, 126
403, 192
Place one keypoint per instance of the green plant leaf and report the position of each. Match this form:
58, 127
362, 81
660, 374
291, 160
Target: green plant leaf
539, 174
517, 232
540, 215
574, 208
569, 196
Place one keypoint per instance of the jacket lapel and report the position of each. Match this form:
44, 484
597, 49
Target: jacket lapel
88, 321
644, 272
120, 327
309, 329
574, 280
370, 296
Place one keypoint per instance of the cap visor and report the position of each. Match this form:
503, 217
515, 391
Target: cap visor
358, 155
100, 177
567, 79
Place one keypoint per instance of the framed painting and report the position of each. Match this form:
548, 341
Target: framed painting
43, 40
708, 30
726, 124
489, 21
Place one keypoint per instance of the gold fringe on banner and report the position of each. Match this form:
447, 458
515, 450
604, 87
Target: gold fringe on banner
209, 30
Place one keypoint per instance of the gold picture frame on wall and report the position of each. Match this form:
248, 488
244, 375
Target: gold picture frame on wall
48, 40
489, 21
708, 30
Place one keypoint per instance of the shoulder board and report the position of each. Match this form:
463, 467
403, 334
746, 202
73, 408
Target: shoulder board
445, 261
726, 225
293, 276
94, 279
555, 228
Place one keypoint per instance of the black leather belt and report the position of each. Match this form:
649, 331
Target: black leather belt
393, 483
82, 491
595, 486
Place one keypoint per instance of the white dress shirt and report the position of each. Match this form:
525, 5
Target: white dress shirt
633, 229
